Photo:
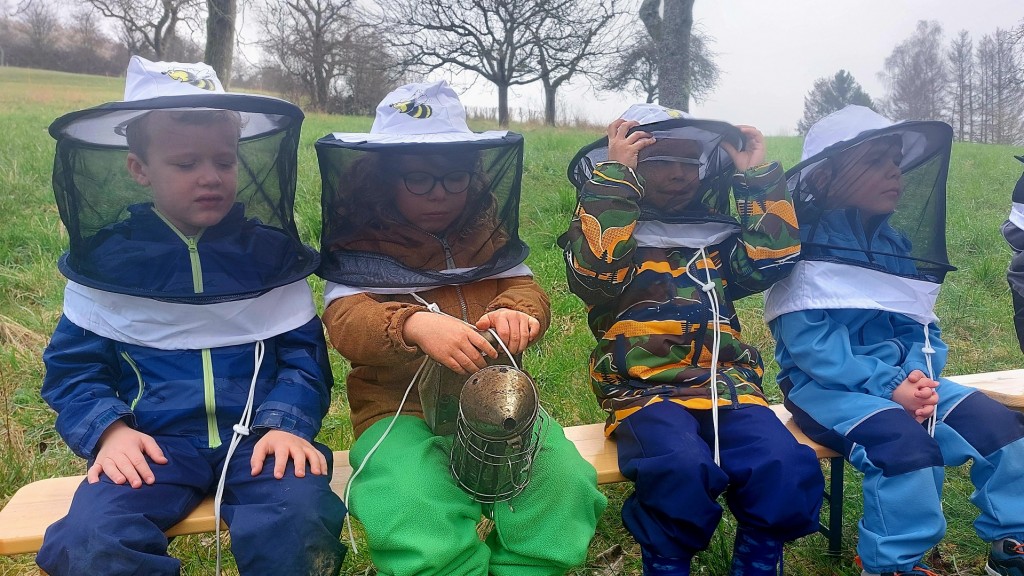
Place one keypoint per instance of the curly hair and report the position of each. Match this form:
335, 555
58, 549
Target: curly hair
371, 180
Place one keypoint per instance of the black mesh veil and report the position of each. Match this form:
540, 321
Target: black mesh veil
96, 196
367, 242
838, 226
1018, 190
698, 139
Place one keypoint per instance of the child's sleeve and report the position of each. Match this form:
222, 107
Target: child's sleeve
81, 371
523, 294
599, 245
302, 393
769, 243
369, 332
911, 333
820, 348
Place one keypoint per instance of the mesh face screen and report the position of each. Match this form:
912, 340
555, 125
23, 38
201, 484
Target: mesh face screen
878, 201
378, 233
127, 236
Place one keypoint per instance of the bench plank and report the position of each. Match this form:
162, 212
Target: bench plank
34, 507
1005, 387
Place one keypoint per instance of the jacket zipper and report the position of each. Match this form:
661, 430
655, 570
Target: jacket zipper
449, 262
138, 376
705, 300
209, 391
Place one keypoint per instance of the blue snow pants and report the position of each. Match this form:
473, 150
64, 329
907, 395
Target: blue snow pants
289, 526
772, 484
904, 467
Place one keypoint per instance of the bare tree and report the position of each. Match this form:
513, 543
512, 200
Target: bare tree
670, 25
829, 95
636, 69
148, 26
573, 37
492, 38
42, 25
960, 57
915, 76
86, 49
311, 40
220, 37
1000, 106
371, 71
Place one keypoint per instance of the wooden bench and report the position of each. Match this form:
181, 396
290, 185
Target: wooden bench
34, 507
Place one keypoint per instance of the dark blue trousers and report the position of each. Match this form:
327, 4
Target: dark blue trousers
772, 484
286, 526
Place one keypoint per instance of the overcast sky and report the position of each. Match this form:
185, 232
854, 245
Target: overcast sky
771, 51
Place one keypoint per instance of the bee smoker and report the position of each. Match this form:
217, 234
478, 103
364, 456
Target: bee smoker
497, 435
439, 389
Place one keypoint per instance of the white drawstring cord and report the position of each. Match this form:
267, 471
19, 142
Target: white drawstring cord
928, 351
241, 430
504, 348
716, 341
348, 485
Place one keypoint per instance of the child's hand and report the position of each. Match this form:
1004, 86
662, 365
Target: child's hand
917, 394
286, 446
626, 149
753, 153
122, 456
448, 341
516, 329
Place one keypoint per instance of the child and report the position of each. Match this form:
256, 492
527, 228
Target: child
658, 260
423, 253
189, 349
860, 353
1013, 231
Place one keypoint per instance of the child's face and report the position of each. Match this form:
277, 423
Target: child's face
671, 172
429, 192
868, 177
192, 170
669, 186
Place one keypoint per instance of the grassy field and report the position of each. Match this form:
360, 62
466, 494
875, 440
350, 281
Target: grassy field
974, 305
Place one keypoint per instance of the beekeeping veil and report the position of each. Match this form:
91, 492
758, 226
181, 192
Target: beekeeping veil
1017, 208
100, 203
679, 138
894, 260
368, 246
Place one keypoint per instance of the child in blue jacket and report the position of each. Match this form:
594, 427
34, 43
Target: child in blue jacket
860, 352
189, 359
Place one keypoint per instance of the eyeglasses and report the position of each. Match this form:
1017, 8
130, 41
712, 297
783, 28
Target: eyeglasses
420, 183
676, 159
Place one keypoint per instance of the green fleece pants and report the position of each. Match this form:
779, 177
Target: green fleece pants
418, 521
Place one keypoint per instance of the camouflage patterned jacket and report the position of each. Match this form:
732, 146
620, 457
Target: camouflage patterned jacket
652, 321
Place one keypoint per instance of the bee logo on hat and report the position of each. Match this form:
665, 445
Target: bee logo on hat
413, 108
191, 77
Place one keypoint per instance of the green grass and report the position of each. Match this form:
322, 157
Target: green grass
974, 305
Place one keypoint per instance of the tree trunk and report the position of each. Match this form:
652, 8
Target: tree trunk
550, 103
674, 54
220, 37
502, 105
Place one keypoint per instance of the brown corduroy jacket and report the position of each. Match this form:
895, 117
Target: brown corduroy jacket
367, 328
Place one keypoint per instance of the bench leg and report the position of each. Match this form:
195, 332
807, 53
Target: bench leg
833, 531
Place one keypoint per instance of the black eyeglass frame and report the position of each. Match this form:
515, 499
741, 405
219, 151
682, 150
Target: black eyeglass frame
434, 180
